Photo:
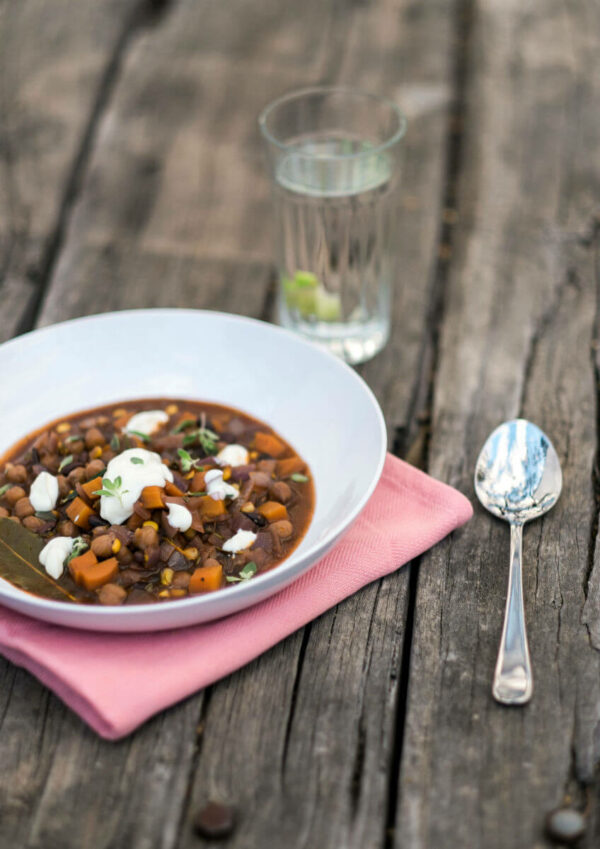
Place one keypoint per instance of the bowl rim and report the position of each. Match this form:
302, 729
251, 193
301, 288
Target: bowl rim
296, 558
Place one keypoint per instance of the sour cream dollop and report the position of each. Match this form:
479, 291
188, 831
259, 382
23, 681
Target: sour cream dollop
43, 494
239, 542
53, 555
179, 517
232, 455
217, 488
146, 422
137, 468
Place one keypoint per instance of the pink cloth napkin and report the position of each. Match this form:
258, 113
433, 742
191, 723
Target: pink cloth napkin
117, 681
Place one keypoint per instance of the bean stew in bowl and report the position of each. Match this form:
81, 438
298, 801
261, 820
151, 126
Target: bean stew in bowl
149, 501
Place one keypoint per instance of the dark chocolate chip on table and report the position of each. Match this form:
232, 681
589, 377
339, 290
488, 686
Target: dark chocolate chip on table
215, 820
566, 826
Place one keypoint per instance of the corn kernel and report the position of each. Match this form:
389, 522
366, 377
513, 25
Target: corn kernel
164, 594
253, 455
171, 409
177, 592
63, 427
166, 576
190, 533
227, 474
96, 453
116, 546
150, 524
190, 553
248, 507
190, 475
121, 411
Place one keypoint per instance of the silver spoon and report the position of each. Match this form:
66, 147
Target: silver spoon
517, 478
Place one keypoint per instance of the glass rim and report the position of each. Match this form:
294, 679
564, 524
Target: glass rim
346, 90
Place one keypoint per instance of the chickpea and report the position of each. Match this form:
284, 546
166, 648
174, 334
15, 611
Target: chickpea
181, 580
94, 437
23, 508
146, 537
13, 495
66, 528
94, 468
102, 546
3, 512
111, 594
283, 528
76, 476
64, 487
33, 523
16, 474
280, 491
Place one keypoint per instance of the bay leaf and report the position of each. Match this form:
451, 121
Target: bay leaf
19, 562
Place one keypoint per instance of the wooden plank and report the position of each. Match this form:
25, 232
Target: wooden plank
312, 765
55, 61
175, 205
520, 316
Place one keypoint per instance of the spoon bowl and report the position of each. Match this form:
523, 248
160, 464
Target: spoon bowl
517, 478
518, 475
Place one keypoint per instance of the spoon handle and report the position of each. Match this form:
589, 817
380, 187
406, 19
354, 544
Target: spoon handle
513, 682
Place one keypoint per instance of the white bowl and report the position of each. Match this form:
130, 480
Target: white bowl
313, 399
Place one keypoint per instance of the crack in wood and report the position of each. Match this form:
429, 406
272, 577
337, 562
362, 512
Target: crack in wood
294, 697
145, 13
594, 243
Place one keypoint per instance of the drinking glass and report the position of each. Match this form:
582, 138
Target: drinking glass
333, 156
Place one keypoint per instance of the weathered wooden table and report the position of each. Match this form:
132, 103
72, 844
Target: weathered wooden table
131, 175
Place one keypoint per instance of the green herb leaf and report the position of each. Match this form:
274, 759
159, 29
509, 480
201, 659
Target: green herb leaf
208, 440
79, 546
4, 488
182, 425
136, 461
46, 515
192, 494
232, 579
115, 443
69, 497
187, 461
110, 488
143, 436
298, 478
65, 462
74, 437
249, 570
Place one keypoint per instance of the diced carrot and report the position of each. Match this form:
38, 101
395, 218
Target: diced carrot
290, 466
92, 486
219, 421
135, 521
171, 489
197, 483
88, 558
79, 512
94, 575
209, 507
206, 578
152, 497
266, 443
273, 511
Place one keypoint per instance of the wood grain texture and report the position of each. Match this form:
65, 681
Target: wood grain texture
54, 61
174, 210
516, 333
